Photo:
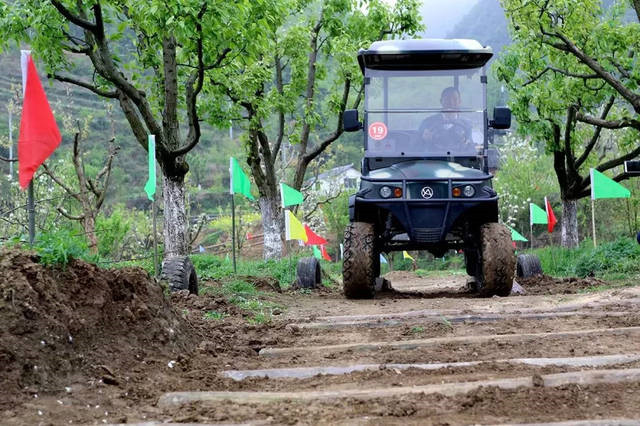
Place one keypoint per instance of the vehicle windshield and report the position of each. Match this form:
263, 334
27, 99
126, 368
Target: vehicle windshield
424, 113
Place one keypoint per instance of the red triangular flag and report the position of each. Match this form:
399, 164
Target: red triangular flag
39, 134
325, 255
551, 218
313, 239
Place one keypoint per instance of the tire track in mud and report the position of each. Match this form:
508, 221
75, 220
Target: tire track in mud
490, 363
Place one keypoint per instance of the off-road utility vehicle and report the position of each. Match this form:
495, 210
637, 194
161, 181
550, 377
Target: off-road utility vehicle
426, 182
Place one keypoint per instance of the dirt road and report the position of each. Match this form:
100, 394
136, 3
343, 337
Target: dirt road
429, 353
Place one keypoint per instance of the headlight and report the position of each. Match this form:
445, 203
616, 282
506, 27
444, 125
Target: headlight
385, 192
469, 191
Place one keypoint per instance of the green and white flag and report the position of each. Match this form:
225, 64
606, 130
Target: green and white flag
537, 215
150, 186
239, 182
604, 187
290, 196
516, 236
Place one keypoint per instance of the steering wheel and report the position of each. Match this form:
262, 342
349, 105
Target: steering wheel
447, 136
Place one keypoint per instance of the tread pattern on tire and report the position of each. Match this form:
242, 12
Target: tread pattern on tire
180, 273
359, 261
497, 264
528, 265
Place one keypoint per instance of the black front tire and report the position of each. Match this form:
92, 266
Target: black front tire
180, 273
361, 262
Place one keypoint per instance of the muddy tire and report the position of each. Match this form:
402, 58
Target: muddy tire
361, 263
528, 265
497, 263
180, 273
308, 272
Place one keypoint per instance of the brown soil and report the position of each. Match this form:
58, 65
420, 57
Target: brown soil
544, 284
130, 343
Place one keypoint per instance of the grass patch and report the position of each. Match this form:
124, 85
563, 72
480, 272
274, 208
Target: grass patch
214, 315
617, 260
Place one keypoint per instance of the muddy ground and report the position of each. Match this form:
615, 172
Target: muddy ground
82, 345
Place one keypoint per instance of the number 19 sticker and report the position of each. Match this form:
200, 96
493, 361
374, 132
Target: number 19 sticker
377, 131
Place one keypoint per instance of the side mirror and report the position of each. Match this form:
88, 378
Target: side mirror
350, 120
501, 118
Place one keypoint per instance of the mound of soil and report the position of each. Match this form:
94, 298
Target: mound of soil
544, 284
78, 322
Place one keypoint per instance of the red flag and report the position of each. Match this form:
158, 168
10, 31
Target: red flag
249, 236
551, 218
39, 134
325, 255
313, 239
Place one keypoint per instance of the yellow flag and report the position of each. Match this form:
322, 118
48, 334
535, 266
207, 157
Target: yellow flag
406, 255
293, 228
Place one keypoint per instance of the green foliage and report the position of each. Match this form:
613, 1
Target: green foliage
216, 267
239, 287
58, 248
214, 315
620, 257
525, 176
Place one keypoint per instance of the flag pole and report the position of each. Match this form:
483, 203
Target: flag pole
530, 235
593, 221
32, 213
10, 145
155, 237
233, 233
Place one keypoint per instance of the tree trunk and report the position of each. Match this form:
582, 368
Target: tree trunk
569, 223
175, 219
272, 227
89, 225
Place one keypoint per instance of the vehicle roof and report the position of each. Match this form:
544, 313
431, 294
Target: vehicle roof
424, 54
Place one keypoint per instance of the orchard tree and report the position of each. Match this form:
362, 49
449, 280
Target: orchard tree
153, 58
574, 80
291, 95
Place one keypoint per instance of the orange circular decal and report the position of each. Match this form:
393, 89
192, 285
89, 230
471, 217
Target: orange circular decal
377, 130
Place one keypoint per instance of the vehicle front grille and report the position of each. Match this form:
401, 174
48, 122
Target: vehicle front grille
427, 235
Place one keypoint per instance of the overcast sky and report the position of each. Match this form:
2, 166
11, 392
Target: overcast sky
440, 16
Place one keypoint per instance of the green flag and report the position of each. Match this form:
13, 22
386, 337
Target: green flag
604, 187
537, 215
150, 186
516, 236
239, 182
317, 253
289, 196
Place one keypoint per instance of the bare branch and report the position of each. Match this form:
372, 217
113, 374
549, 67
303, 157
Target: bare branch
8, 160
94, 89
609, 124
596, 134
82, 23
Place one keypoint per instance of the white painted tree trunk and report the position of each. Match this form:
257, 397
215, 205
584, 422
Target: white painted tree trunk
175, 220
569, 223
272, 228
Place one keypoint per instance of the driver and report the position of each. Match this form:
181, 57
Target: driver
447, 130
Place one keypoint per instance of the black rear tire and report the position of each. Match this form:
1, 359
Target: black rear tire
180, 273
309, 273
528, 265
361, 262
497, 264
